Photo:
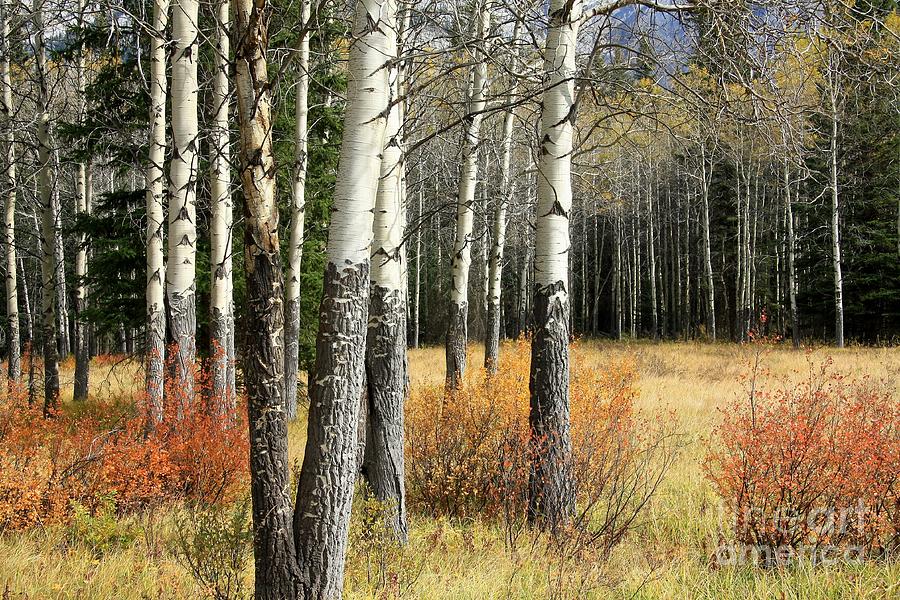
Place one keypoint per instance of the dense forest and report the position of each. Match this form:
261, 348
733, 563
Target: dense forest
276, 188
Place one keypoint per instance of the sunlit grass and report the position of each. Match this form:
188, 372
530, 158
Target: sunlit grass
670, 556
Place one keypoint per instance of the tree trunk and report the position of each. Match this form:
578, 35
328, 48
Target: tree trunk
46, 179
551, 497
83, 192
221, 303
386, 363
418, 285
461, 260
495, 277
275, 559
181, 272
14, 357
651, 248
155, 180
791, 257
298, 221
836, 225
325, 493
707, 249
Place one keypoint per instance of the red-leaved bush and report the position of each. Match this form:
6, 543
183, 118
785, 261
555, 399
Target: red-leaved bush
88, 453
810, 465
468, 452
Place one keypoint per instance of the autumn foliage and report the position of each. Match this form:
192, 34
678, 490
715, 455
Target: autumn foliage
467, 452
813, 464
86, 454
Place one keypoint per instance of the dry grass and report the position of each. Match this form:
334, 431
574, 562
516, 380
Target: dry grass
668, 558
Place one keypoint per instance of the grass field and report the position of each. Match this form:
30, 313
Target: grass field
669, 556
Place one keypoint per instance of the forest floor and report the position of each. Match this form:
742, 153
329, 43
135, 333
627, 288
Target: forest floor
670, 556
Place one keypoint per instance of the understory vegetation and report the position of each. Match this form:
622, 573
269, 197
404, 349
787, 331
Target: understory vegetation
94, 507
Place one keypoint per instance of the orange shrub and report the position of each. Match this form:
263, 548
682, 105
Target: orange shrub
103, 449
467, 453
811, 466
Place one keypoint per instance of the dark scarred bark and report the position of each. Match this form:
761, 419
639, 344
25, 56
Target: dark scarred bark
325, 494
291, 343
457, 334
492, 339
386, 377
551, 498
275, 558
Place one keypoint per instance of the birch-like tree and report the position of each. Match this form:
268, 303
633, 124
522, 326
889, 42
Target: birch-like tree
46, 182
551, 498
461, 260
221, 303
14, 364
183, 170
275, 558
386, 361
325, 493
298, 217
83, 193
155, 179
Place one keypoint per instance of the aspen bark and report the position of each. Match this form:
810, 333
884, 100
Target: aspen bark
181, 268
325, 492
386, 361
495, 276
83, 183
277, 573
14, 358
221, 223
835, 214
707, 248
46, 179
155, 181
791, 259
298, 220
551, 497
461, 260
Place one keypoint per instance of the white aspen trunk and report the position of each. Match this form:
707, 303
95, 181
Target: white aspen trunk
14, 358
651, 248
495, 276
386, 360
551, 497
46, 179
418, 284
181, 269
791, 258
221, 302
298, 220
707, 247
155, 181
617, 278
461, 260
63, 338
836, 223
277, 573
328, 475
82, 205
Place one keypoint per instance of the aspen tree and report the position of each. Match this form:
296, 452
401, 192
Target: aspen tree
221, 224
156, 270
181, 268
277, 573
298, 219
14, 363
386, 361
461, 260
551, 497
46, 181
325, 492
